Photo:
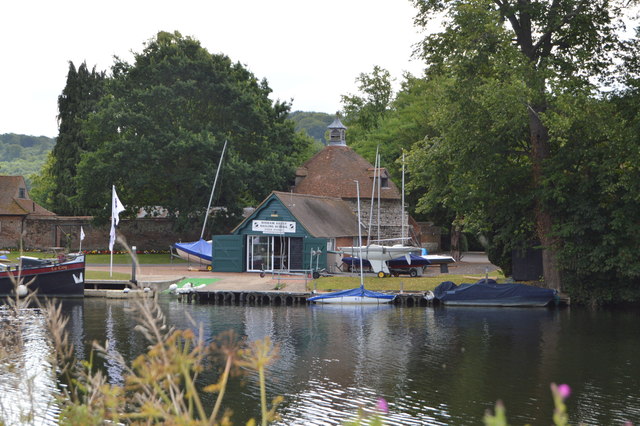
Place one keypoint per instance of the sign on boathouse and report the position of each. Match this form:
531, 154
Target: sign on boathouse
273, 227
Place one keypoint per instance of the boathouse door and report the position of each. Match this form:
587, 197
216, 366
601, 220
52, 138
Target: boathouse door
269, 253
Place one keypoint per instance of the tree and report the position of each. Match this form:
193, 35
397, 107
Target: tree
158, 134
561, 44
364, 112
78, 100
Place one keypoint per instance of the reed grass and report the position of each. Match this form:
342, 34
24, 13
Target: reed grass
160, 384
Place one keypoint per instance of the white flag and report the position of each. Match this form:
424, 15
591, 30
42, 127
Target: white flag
116, 208
81, 234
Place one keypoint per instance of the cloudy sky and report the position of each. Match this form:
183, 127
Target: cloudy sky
309, 51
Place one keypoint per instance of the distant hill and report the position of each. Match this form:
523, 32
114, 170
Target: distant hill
23, 155
314, 123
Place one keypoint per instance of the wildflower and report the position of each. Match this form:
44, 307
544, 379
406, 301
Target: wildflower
382, 405
564, 390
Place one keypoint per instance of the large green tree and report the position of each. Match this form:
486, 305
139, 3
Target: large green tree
83, 90
367, 109
158, 135
560, 46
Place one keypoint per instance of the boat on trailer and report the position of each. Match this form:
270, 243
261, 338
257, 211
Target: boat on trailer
55, 277
198, 252
397, 266
378, 255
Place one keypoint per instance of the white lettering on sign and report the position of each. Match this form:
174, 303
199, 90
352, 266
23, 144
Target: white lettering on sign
273, 226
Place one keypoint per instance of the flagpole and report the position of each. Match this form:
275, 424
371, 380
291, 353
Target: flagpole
111, 232
116, 208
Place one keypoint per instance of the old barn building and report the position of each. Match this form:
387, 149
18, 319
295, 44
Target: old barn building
332, 172
300, 229
17, 211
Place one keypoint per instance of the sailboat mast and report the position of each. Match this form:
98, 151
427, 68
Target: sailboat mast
206, 216
379, 186
402, 217
373, 193
359, 234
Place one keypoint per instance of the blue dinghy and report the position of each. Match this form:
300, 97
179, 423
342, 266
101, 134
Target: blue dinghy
197, 251
488, 292
355, 295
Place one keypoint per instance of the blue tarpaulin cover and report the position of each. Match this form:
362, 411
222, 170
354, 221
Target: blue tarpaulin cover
487, 292
200, 248
354, 292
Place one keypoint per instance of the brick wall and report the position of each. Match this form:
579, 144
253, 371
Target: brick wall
44, 232
10, 229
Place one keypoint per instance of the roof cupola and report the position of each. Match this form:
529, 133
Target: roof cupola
337, 133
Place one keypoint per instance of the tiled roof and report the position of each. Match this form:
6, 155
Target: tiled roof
10, 202
324, 217
331, 173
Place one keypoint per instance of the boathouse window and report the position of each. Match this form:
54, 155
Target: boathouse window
22, 193
384, 181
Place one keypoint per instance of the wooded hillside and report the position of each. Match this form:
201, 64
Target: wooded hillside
23, 155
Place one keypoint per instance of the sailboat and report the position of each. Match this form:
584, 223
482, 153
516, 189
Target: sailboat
378, 255
200, 251
358, 295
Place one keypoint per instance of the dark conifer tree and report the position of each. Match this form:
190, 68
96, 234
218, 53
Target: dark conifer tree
79, 98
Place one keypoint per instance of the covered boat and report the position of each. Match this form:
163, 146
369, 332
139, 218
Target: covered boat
63, 277
195, 252
487, 292
355, 295
396, 266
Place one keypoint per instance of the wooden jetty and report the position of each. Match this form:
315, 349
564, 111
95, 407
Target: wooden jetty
279, 298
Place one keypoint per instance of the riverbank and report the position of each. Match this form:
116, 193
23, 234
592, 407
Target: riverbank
159, 277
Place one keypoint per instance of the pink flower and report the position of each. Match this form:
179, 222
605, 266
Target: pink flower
564, 391
382, 405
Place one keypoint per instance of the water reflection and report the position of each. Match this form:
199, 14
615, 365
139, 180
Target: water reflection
433, 366
27, 380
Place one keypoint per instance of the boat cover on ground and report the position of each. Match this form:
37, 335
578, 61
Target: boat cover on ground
488, 292
354, 292
200, 248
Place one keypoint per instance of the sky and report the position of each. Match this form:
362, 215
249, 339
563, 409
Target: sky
310, 52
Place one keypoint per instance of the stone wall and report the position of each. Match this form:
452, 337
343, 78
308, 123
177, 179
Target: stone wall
44, 232
10, 230
390, 218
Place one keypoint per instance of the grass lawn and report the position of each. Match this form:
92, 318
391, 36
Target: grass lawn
105, 259
406, 283
125, 259
104, 275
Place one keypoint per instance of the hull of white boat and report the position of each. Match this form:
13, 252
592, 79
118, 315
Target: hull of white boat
192, 258
378, 255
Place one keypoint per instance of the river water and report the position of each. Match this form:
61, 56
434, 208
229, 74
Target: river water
432, 365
